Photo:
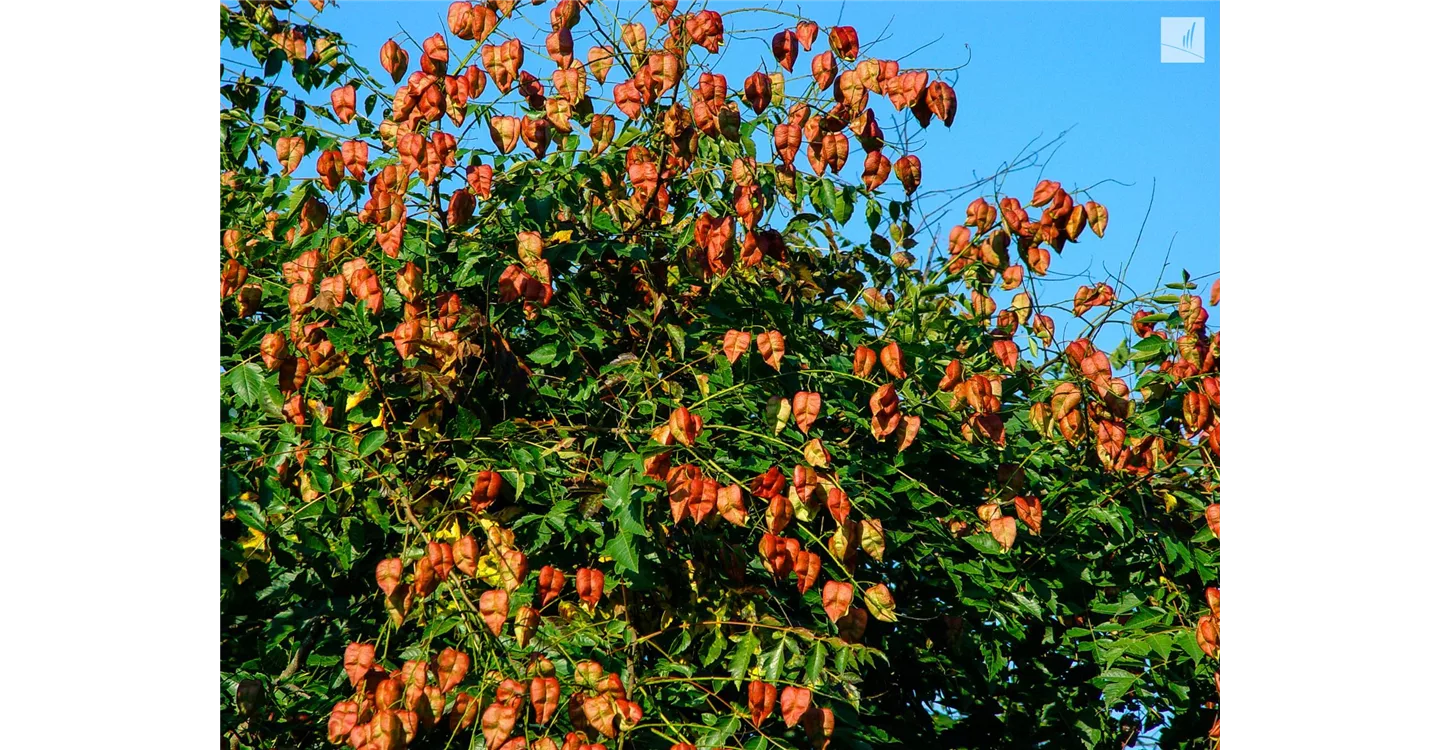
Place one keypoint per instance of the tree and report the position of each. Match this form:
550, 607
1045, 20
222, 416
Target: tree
565, 405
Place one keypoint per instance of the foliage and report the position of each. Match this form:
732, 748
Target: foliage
624, 421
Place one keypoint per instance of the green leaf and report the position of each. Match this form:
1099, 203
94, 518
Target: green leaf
873, 214
740, 660
619, 498
985, 543
1120, 355
544, 354
371, 442
1161, 644
713, 648
720, 735
677, 338
815, 662
440, 627
621, 547
1191, 647
845, 205
823, 197
240, 437
772, 660
247, 382
1030, 606
274, 61
1117, 684
602, 222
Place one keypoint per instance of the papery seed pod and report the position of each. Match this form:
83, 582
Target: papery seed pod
505, 132
495, 609
730, 502
872, 538
877, 170
778, 514
757, 91
602, 132
864, 362
805, 32
771, 345
1195, 412
565, 14
1098, 216
836, 598
441, 557
849, 91
907, 91
940, 100
794, 702
907, 170
1207, 635
535, 131
289, 150
1002, 528
885, 411
839, 504
806, 408
815, 454
893, 360
1029, 512
394, 60
356, 157
590, 585
600, 59
532, 91
342, 100
784, 45
807, 570
451, 666
387, 574
435, 55
663, 9
735, 345
560, 45
822, 68
761, 701
819, 726
852, 625
845, 42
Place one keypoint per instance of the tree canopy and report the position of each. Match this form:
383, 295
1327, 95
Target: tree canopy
577, 397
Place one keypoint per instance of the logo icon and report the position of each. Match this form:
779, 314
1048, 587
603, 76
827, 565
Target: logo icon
1182, 40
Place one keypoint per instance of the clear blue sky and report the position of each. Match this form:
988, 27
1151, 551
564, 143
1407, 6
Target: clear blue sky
1036, 70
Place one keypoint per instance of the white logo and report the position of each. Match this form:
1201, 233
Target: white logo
1182, 40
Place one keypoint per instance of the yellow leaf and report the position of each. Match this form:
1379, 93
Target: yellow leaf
355, 398
255, 546
449, 534
803, 512
562, 236
487, 570
426, 420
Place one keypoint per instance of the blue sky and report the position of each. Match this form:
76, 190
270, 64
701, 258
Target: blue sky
1087, 73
